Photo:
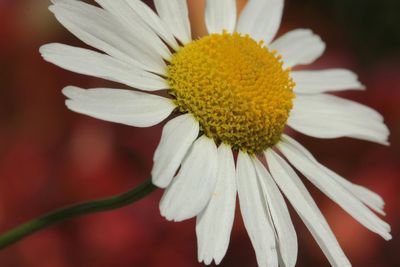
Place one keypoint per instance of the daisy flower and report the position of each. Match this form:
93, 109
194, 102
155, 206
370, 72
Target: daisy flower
234, 90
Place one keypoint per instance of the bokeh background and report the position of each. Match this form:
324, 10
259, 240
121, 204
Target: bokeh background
51, 157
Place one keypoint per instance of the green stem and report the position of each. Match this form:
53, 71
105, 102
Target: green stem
63, 214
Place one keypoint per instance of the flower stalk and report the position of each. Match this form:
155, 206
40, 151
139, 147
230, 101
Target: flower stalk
74, 211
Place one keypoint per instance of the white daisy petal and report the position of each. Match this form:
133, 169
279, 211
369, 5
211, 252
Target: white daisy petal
255, 213
310, 168
261, 19
220, 15
214, 224
98, 28
299, 47
369, 198
192, 188
327, 116
149, 17
139, 30
175, 14
117, 105
99, 65
286, 234
314, 82
177, 137
301, 200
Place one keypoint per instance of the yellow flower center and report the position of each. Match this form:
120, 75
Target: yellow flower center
235, 87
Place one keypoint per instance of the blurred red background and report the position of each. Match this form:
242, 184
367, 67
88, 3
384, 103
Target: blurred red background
51, 157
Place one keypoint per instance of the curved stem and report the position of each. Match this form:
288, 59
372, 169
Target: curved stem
63, 214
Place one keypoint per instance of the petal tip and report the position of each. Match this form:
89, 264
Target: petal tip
157, 182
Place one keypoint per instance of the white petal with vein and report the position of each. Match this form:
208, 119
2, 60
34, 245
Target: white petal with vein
327, 116
98, 28
301, 200
99, 65
310, 168
117, 105
175, 15
220, 15
214, 224
299, 47
177, 137
320, 81
137, 28
153, 21
261, 19
286, 234
369, 198
192, 189
255, 213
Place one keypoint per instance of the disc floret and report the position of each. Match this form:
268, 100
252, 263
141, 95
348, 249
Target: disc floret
235, 87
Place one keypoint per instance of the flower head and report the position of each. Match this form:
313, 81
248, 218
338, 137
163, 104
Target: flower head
235, 87
234, 90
